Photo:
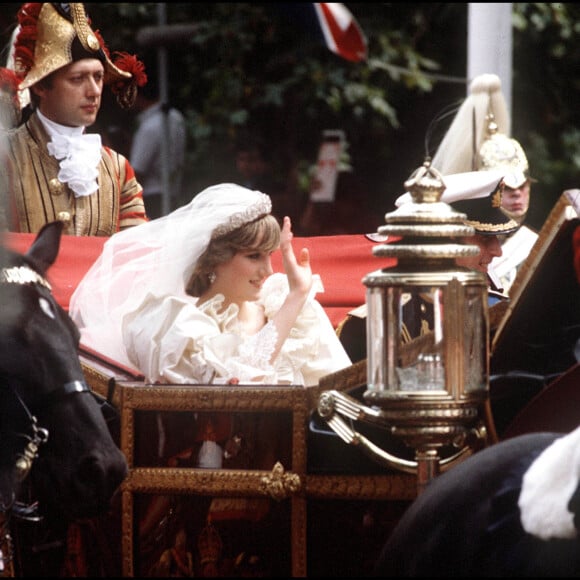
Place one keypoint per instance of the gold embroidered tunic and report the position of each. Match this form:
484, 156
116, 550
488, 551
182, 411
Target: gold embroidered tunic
36, 196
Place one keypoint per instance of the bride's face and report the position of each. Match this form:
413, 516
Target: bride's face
241, 278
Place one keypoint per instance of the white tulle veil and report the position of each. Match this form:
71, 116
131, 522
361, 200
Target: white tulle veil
156, 258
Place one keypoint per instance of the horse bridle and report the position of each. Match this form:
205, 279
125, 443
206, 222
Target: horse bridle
39, 435
25, 275
22, 275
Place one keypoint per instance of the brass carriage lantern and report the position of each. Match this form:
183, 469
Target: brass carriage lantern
428, 389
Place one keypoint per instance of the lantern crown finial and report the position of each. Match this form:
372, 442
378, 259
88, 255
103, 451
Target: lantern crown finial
426, 184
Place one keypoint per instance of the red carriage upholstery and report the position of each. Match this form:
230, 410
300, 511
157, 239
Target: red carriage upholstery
342, 261
75, 257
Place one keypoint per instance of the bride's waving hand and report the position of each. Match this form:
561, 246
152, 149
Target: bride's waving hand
299, 276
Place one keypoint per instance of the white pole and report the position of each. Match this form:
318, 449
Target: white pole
164, 98
489, 44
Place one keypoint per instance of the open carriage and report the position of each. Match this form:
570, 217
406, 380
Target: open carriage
330, 507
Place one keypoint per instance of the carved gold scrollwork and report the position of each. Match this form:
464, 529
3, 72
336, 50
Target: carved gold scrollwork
279, 485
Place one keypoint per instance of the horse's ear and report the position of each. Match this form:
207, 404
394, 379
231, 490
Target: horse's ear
44, 249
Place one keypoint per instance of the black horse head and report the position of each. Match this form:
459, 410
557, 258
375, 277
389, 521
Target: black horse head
43, 392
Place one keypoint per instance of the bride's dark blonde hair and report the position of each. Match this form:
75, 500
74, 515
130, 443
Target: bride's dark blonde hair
261, 235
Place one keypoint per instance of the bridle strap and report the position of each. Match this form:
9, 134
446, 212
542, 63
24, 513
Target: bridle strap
39, 434
22, 275
71, 388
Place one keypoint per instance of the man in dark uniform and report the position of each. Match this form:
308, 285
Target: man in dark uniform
479, 198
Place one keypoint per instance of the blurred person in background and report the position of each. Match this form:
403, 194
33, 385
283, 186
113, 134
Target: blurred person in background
147, 153
255, 170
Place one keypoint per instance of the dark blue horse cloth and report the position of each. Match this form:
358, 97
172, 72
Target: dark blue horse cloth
466, 523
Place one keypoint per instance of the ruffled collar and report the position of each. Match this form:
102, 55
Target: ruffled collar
78, 153
214, 308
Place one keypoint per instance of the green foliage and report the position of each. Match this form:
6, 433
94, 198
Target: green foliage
546, 88
252, 66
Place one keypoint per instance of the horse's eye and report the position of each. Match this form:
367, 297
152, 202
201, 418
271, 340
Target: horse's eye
46, 307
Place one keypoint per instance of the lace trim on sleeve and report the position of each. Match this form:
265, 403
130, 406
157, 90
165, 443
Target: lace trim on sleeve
258, 349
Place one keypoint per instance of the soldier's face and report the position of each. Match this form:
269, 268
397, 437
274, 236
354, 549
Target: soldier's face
516, 200
72, 94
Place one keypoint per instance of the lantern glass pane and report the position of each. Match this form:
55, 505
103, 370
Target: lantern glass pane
475, 340
405, 338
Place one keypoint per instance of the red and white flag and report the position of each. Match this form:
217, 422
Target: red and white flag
342, 34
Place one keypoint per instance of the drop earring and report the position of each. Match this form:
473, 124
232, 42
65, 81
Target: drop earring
211, 277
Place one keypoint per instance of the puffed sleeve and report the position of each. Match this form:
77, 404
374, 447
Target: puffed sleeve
312, 349
171, 340
162, 338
